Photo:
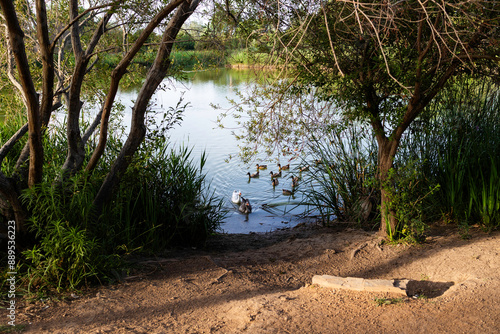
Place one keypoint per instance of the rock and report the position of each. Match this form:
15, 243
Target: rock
360, 284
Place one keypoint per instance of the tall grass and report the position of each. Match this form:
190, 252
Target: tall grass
340, 187
67, 251
460, 150
164, 200
246, 58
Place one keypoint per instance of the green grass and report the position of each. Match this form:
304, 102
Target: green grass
247, 58
388, 301
12, 329
462, 149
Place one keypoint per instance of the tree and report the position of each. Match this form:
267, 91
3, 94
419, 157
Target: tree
86, 45
379, 62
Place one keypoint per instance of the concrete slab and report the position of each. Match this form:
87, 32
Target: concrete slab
361, 284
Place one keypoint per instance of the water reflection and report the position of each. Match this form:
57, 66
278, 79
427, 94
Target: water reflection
271, 208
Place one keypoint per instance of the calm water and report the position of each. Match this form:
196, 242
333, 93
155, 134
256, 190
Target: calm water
271, 209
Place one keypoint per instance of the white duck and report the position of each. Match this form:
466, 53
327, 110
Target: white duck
236, 198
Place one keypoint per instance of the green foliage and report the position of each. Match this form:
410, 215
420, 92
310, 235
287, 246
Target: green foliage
407, 190
485, 197
163, 200
184, 41
12, 329
66, 254
447, 166
463, 153
248, 58
8, 128
197, 60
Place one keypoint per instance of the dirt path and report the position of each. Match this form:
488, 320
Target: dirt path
262, 284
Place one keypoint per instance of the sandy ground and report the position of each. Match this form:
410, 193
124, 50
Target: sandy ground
261, 283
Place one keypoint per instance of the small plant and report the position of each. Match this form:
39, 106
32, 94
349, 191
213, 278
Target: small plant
388, 301
407, 189
12, 329
420, 297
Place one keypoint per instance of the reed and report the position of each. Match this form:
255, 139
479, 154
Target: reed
460, 147
164, 199
446, 166
340, 187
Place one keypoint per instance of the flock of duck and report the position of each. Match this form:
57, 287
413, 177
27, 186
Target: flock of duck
244, 203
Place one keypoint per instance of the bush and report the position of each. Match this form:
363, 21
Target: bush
407, 191
67, 252
197, 60
461, 147
163, 200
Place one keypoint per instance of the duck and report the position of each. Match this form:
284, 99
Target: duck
245, 206
273, 175
256, 174
305, 168
287, 192
275, 182
295, 181
236, 198
261, 166
283, 167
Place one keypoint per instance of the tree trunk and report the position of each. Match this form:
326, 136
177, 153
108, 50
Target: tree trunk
154, 78
10, 193
117, 75
387, 149
16, 40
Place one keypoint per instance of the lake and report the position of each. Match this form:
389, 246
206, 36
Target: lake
271, 209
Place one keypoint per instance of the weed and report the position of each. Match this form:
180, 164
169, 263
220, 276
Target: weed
12, 329
388, 301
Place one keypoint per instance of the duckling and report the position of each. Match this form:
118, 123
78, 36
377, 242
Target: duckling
253, 175
287, 192
261, 166
245, 206
283, 167
275, 182
236, 198
273, 175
